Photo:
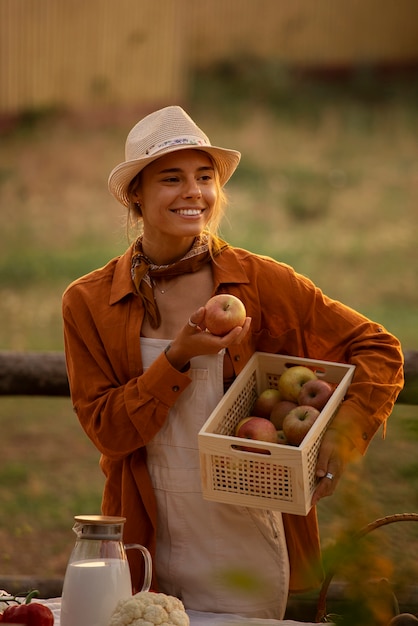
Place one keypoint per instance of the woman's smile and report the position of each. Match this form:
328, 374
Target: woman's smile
188, 212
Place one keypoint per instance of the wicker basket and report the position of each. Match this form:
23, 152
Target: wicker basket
283, 477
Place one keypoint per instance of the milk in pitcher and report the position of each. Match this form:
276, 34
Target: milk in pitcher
97, 585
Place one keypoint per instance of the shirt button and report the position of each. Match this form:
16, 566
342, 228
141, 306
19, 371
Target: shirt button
365, 436
175, 388
237, 357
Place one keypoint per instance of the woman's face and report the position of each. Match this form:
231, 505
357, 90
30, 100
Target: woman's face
178, 193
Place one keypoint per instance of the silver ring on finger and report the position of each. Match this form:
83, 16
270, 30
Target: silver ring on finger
192, 324
329, 475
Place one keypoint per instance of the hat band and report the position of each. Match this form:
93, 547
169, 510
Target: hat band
187, 140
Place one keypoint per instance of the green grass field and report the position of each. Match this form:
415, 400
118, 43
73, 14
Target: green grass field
328, 183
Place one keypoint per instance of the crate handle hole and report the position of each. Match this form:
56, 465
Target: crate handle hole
251, 450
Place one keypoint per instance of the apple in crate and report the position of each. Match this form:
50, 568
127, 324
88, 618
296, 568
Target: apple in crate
292, 380
281, 438
298, 422
316, 393
279, 412
265, 402
258, 428
223, 313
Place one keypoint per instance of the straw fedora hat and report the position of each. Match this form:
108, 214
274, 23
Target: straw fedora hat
160, 133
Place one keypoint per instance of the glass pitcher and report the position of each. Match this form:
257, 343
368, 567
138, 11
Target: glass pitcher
97, 574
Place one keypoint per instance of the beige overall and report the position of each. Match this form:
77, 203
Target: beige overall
215, 557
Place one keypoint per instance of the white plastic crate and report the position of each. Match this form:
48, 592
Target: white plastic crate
283, 477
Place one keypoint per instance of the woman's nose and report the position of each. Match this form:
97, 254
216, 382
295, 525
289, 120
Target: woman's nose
192, 188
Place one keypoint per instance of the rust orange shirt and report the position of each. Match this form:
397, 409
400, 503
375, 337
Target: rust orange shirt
121, 408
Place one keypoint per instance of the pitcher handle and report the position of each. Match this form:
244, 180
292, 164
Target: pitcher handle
148, 563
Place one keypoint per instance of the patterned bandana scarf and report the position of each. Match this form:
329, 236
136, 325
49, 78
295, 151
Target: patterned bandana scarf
143, 270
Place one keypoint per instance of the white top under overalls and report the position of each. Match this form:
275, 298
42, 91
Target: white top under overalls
215, 557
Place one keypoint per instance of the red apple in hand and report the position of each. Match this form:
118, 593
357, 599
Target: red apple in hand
316, 393
292, 379
265, 402
223, 313
298, 422
279, 412
258, 428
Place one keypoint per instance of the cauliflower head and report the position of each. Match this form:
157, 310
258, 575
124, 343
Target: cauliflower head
150, 609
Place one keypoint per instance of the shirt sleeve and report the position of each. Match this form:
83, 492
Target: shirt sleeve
119, 412
338, 333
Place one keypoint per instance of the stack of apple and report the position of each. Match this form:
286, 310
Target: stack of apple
284, 415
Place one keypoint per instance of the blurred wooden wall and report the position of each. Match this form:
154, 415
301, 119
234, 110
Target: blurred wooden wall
312, 33
85, 53
80, 53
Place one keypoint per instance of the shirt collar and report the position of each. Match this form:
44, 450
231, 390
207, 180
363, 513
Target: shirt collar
122, 284
226, 270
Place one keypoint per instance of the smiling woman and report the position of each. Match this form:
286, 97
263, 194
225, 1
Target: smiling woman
145, 374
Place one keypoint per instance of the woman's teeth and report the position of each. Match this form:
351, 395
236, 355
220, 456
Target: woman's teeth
189, 211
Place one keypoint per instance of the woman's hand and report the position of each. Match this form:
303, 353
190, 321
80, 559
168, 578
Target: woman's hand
193, 340
335, 451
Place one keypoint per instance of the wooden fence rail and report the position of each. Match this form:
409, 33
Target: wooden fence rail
44, 374
33, 374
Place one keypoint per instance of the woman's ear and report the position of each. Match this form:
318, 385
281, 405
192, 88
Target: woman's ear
136, 202
134, 189
136, 196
